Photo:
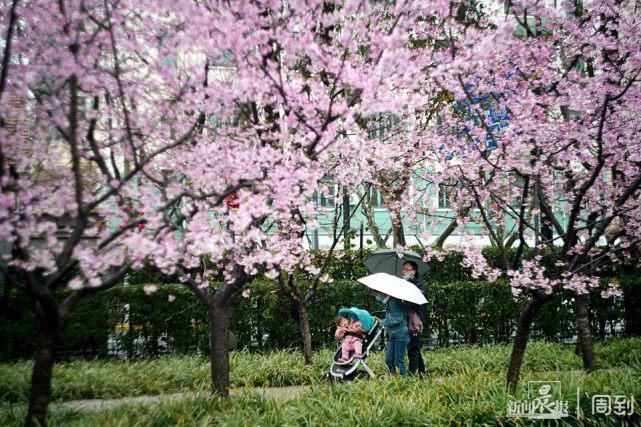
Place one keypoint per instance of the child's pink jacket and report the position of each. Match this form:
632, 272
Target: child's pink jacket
354, 326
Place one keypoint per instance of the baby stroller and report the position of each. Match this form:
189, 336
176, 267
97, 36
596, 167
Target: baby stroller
350, 368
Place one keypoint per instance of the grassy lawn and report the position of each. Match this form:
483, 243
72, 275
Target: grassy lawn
464, 385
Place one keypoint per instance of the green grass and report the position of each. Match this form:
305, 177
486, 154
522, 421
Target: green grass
89, 379
460, 399
465, 385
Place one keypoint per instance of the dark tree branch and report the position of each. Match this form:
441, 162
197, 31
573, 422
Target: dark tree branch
521, 219
6, 58
600, 230
67, 304
91, 137
82, 215
582, 191
140, 165
121, 90
312, 291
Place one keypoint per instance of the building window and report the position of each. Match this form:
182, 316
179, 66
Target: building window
327, 197
382, 124
516, 182
326, 202
446, 193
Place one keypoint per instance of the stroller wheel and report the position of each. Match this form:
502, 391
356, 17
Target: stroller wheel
333, 379
353, 376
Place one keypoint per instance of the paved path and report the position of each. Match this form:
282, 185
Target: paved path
289, 392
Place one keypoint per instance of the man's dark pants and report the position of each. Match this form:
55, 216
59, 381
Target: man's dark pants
416, 364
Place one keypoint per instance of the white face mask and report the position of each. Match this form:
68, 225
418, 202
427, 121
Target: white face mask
383, 299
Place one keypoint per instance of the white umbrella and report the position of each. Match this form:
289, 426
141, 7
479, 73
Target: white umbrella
394, 286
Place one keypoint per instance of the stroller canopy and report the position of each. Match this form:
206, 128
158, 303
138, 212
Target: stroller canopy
363, 316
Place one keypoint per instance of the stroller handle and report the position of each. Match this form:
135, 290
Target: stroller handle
377, 319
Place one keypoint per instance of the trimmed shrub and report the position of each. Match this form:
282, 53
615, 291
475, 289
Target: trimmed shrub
127, 322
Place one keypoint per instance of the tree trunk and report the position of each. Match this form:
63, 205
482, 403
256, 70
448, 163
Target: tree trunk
369, 215
259, 321
398, 234
521, 339
446, 333
218, 303
602, 325
474, 335
4, 299
584, 331
219, 345
305, 330
40, 393
632, 311
578, 346
440, 240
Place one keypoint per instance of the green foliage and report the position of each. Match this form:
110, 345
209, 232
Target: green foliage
481, 312
464, 386
100, 378
90, 379
448, 269
150, 325
276, 368
149, 274
267, 312
460, 310
86, 331
631, 286
470, 311
344, 265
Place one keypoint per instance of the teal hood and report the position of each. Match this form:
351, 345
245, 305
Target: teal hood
363, 316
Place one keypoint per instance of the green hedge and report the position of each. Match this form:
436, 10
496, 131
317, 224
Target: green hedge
472, 312
460, 310
86, 332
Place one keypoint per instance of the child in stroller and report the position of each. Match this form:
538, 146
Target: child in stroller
346, 364
349, 330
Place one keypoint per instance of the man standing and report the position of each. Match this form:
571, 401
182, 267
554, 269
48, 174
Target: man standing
416, 364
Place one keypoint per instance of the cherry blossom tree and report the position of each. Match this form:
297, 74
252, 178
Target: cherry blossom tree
284, 88
114, 152
90, 100
566, 168
302, 286
110, 109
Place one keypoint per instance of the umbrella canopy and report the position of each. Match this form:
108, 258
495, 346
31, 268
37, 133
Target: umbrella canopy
391, 261
394, 286
363, 316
